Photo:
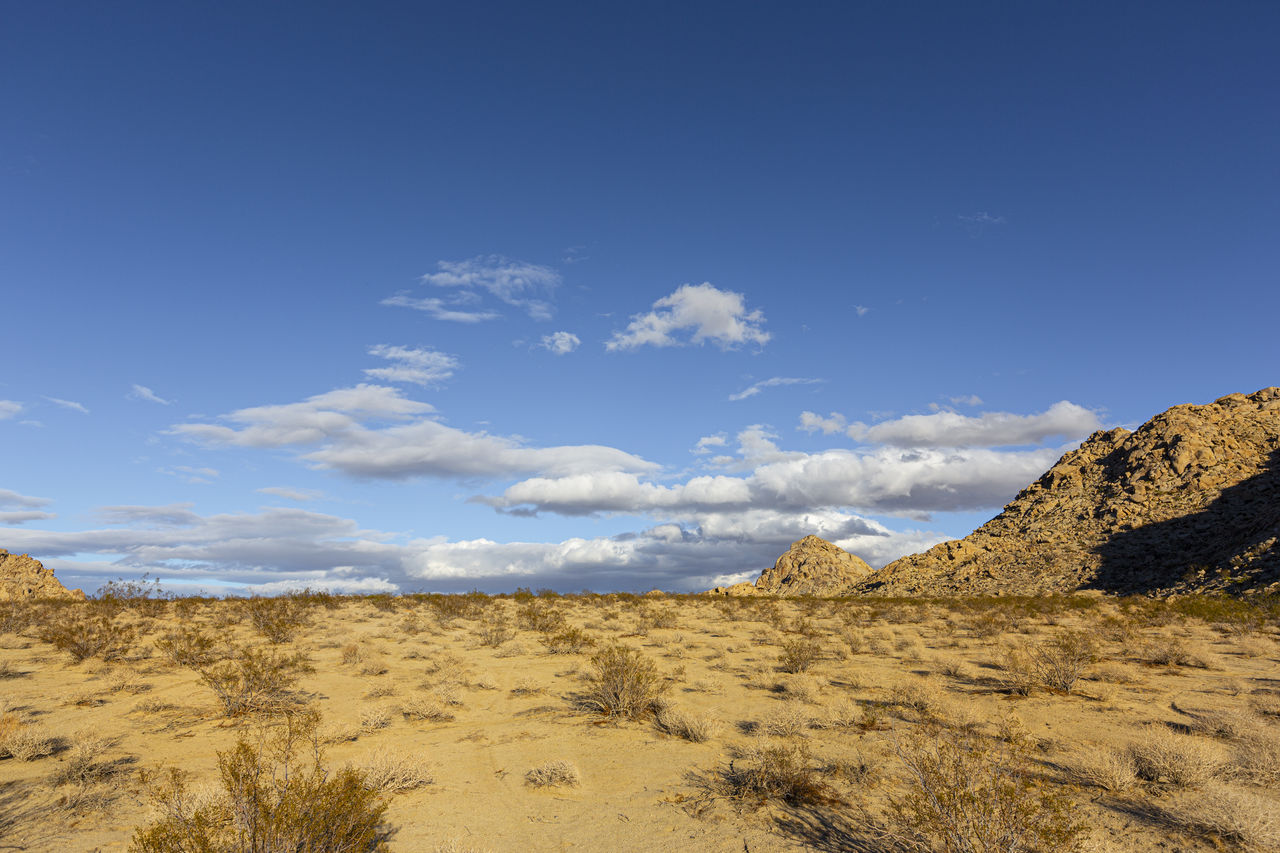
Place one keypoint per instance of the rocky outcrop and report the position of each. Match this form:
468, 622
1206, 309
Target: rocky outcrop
811, 566
1190, 501
22, 578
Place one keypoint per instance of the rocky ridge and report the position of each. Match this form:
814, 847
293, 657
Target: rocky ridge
811, 566
1189, 501
23, 578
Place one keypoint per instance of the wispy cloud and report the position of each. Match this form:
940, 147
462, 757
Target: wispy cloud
694, 314
292, 494
561, 343
773, 383
965, 400
19, 509
438, 309
189, 474
9, 408
142, 392
981, 218
707, 442
413, 365
68, 404
516, 283
861, 310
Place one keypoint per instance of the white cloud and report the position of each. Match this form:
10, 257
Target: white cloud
517, 283
703, 311
772, 383
142, 392
22, 516
418, 366
439, 309
965, 400
990, 429
9, 408
861, 310
981, 218
10, 498
813, 422
191, 475
561, 343
336, 422
68, 404
617, 491
279, 549
292, 494
707, 442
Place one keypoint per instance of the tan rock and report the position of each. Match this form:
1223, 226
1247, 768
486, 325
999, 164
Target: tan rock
1190, 501
813, 566
23, 577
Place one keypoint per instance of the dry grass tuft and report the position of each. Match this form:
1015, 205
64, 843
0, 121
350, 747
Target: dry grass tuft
554, 774
1110, 769
698, 728
386, 769
1244, 817
1181, 760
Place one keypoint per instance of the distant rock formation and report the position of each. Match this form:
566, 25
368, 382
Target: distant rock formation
23, 578
811, 566
1190, 501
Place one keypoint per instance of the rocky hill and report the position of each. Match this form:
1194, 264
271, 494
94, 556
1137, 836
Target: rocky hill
811, 566
22, 577
1190, 501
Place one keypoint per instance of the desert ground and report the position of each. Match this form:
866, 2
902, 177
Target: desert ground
539, 722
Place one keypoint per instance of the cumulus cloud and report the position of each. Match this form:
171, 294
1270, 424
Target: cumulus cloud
142, 392
402, 444
755, 389
516, 283
292, 494
9, 408
561, 343
990, 429
68, 404
415, 365
707, 442
832, 423
191, 475
694, 314
279, 549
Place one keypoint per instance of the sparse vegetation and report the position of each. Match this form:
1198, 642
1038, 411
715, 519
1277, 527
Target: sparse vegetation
624, 683
554, 774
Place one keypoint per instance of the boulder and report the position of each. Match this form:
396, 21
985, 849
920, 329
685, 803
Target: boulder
24, 578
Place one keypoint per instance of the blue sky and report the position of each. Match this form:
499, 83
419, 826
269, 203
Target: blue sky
452, 296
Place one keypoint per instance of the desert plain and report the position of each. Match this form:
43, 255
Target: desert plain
544, 722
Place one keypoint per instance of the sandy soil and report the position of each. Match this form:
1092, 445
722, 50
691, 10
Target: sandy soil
885, 678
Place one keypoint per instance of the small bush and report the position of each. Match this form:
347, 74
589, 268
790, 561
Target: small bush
394, 771
253, 680
568, 640
24, 742
189, 647
86, 635
1110, 769
554, 774
800, 654
765, 772
697, 728
276, 795
277, 619
624, 683
428, 708
968, 795
1181, 760
1237, 815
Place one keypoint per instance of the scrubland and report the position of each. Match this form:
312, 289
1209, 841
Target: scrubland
539, 722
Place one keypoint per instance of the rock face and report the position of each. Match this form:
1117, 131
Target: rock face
811, 566
22, 578
1190, 501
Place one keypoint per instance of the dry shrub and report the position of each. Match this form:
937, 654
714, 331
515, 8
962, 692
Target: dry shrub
801, 687
393, 771
765, 772
791, 720
276, 795
1256, 757
1110, 769
351, 654
85, 635
1057, 663
800, 654
567, 641
697, 728
527, 687
1173, 651
254, 680
1242, 816
970, 795
920, 695
374, 718
495, 633
623, 683
554, 774
278, 619
189, 647
1181, 760
430, 708
23, 741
